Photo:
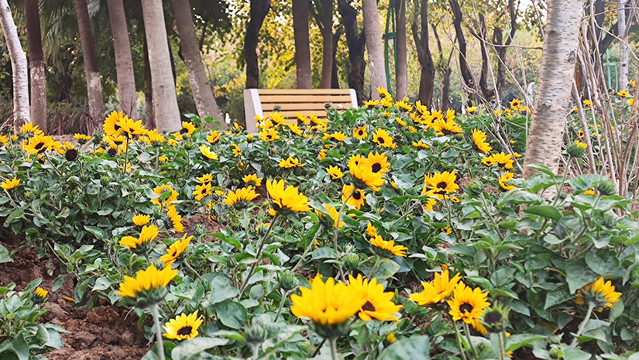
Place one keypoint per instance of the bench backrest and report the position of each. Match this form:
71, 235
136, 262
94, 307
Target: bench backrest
262, 102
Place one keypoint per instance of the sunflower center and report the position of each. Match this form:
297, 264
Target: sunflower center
380, 140
276, 206
116, 127
361, 132
377, 167
368, 306
269, 137
184, 131
466, 307
492, 317
442, 185
39, 146
185, 331
357, 195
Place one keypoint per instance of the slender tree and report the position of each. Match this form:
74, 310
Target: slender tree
623, 44
556, 77
374, 46
444, 70
91, 71
355, 40
401, 82
325, 24
424, 55
259, 10
123, 58
165, 106
202, 92
466, 74
18, 65
501, 46
302, 46
36, 62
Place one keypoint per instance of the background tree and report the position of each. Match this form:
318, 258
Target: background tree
36, 67
424, 55
374, 46
19, 65
123, 58
324, 18
464, 68
401, 82
302, 45
356, 42
258, 11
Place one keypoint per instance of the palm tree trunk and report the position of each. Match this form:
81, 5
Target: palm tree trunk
123, 58
202, 92
18, 66
259, 10
401, 83
374, 45
36, 68
556, 76
165, 106
302, 46
91, 71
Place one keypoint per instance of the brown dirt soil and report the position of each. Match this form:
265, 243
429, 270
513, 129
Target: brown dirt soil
102, 333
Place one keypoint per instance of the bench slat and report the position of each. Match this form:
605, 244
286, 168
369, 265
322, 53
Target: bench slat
281, 99
302, 106
303, 91
293, 114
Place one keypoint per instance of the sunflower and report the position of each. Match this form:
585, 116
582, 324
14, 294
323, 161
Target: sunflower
237, 151
363, 172
111, 123
383, 139
420, 144
322, 154
148, 233
467, 304
206, 178
291, 162
183, 327
337, 136
371, 103
28, 128
501, 159
440, 184
371, 230
479, 138
175, 250
623, 94
240, 196
82, 139
295, 129
130, 127
335, 172
504, 178
141, 220
256, 181
328, 304
202, 191
301, 117
41, 293
155, 138
269, 135
278, 118
38, 144
160, 190
471, 109
213, 137
333, 212
148, 286
188, 128
357, 198
388, 246
404, 105
360, 132
378, 162
206, 151
175, 218
515, 104
446, 126
379, 304
600, 294
10, 184
437, 290
286, 199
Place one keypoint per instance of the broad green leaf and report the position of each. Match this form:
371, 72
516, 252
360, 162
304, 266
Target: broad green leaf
546, 211
4, 255
189, 348
414, 348
14, 215
231, 314
578, 276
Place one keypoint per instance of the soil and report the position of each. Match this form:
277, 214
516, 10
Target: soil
102, 333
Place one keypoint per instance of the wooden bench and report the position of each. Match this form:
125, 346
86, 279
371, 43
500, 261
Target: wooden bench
262, 102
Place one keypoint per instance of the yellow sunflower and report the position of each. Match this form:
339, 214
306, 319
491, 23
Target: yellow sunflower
291, 162
437, 290
601, 294
420, 144
130, 127
28, 128
501, 159
286, 199
252, 179
479, 138
38, 144
147, 280
295, 129
467, 304
278, 118
623, 94
363, 171
183, 327
202, 191
188, 128
515, 104
386, 247
269, 135
357, 199
82, 139
383, 139
242, 195
213, 137
333, 212
141, 220
159, 191
360, 132
335, 172
111, 123
10, 184
446, 126
175, 250
379, 304
378, 163
148, 233
371, 230
440, 184
175, 218
505, 178
206, 178
404, 105
371, 103
337, 136
206, 151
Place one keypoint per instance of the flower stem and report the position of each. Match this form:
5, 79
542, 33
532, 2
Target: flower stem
257, 256
279, 310
331, 343
336, 233
502, 350
308, 248
158, 330
591, 306
459, 342
470, 343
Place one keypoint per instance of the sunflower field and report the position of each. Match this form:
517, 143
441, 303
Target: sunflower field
391, 231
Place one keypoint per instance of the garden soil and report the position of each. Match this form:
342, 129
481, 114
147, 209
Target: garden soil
103, 333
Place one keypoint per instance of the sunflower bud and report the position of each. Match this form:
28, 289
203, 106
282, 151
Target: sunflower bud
475, 188
40, 296
231, 262
105, 180
199, 230
495, 318
606, 187
288, 281
255, 335
576, 149
351, 261
71, 155
555, 353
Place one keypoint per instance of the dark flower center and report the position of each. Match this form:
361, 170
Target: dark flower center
357, 195
466, 307
185, 331
39, 146
71, 154
442, 185
184, 131
276, 206
360, 132
116, 127
368, 306
269, 137
377, 167
380, 140
492, 317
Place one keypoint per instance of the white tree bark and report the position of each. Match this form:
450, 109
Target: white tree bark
623, 44
165, 106
123, 58
556, 76
19, 67
373, 32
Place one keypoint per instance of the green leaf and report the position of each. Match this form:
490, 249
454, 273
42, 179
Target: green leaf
578, 276
385, 269
573, 353
221, 288
58, 282
231, 314
55, 340
190, 348
4, 255
502, 276
101, 283
21, 347
556, 297
546, 211
415, 348
14, 215
95, 231
514, 342
323, 253
542, 168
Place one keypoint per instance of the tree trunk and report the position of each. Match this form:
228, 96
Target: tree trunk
326, 28
443, 67
36, 62
373, 32
258, 12
334, 72
149, 119
123, 58
623, 45
18, 66
302, 46
91, 71
401, 82
355, 40
425, 57
552, 99
165, 106
500, 49
202, 92
483, 78
467, 75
